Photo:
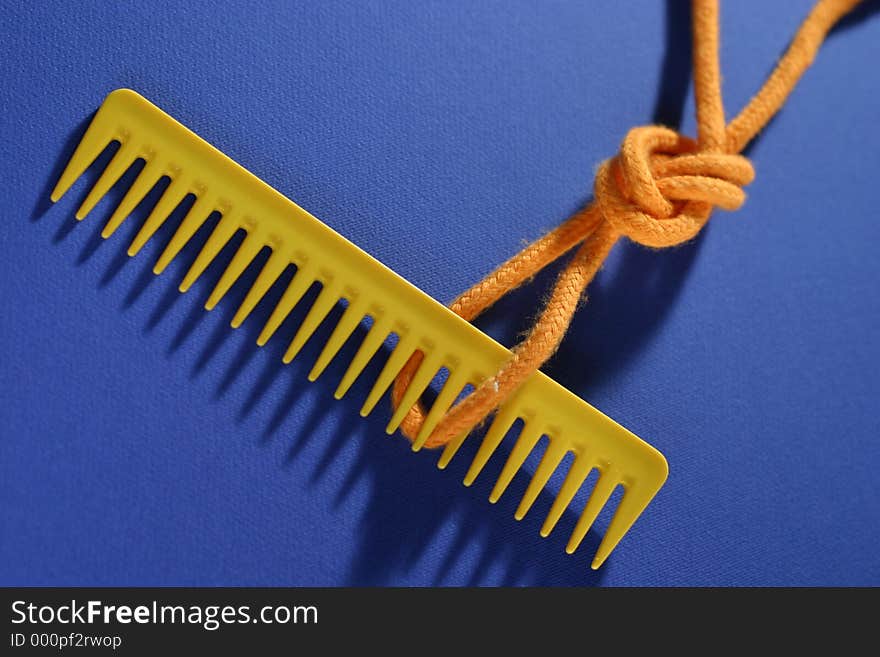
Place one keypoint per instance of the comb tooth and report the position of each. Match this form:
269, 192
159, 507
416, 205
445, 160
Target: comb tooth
448, 393
530, 436
372, 341
89, 148
297, 287
275, 265
122, 159
402, 351
422, 379
573, 481
556, 451
351, 317
248, 250
144, 182
631, 505
505, 417
327, 298
222, 234
198, 214
449, 451
170, 199
601, 492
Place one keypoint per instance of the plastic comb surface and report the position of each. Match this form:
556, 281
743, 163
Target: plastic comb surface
396, 306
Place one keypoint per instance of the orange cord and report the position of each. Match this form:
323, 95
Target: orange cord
658, 191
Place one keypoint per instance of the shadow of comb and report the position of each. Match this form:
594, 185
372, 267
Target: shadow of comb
412, 505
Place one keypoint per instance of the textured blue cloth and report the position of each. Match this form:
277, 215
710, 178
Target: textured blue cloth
142, 441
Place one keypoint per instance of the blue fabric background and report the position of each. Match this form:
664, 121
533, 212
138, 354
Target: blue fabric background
142, 441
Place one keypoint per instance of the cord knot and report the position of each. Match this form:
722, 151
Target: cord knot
661, 188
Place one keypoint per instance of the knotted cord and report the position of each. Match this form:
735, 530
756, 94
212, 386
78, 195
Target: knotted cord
659, 191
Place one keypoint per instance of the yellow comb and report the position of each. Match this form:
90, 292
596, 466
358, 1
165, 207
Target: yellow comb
371, 289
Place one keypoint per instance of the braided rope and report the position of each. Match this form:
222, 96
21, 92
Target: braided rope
659, 191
